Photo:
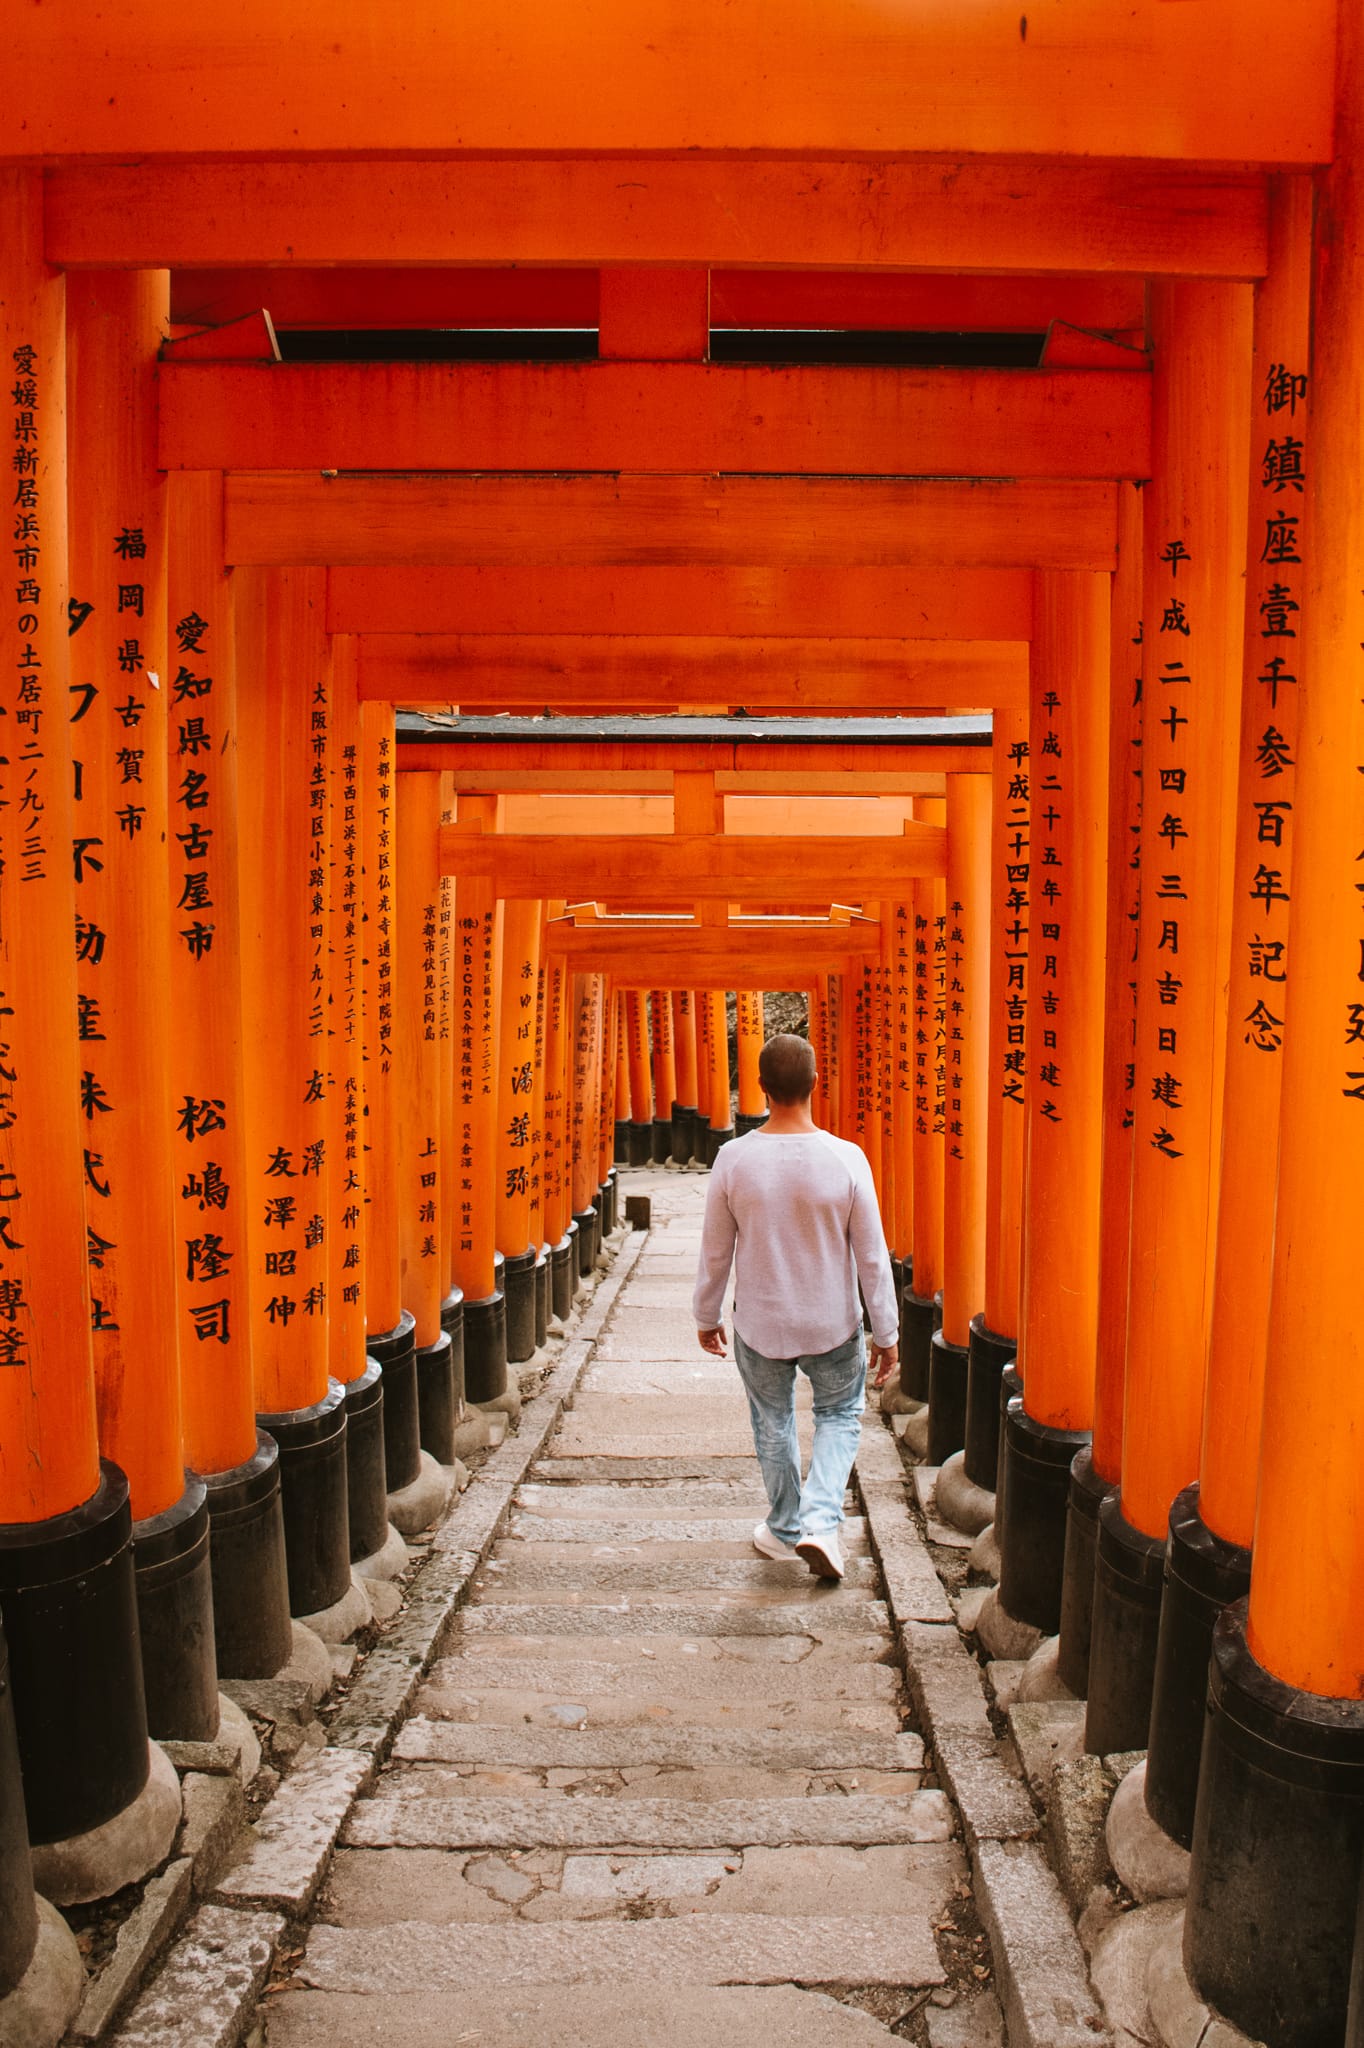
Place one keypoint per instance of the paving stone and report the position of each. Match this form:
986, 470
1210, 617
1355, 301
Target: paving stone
1046, 1733
627, 1502
424, 1741
652, 1877
993, 1804
817, 1618
1039, 1964
512, 1709
700, 1949
139, 1941
295, 1835
558, 1468
622, 1545
969, 2023
592, 1823
1077, 1806
672, 1575
531, 1528
205, 1994
215, 1817
717, 1669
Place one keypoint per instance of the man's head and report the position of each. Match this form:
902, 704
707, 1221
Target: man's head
786, 1069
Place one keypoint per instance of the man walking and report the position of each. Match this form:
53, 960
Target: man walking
793, 1210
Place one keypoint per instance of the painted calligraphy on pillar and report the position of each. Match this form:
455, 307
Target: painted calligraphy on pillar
1170, 767
1015, 883
954, 1066
1048, 893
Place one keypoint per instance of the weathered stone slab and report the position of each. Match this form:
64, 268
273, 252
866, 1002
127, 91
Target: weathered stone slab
557, 1469
993, 1804
510, 1708
593, 1823
626, 1502
733, 1575
1040, 1966
701, 1949
531, 1528
295, 1835
447, 1742
140, 1939
207, 1991
816, 1618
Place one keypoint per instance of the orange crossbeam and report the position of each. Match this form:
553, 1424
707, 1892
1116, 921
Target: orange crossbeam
657, 865
684, 953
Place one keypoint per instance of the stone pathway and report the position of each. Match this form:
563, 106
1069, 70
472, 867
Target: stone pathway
657, 1790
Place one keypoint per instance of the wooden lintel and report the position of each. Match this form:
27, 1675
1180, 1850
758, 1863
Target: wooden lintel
657, 950
671, 416
275, 519
552, 781
601, 764
657, 866
848, 814
656, 672
806, 212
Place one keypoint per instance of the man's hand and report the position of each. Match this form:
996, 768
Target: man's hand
713, 1341
884, 1359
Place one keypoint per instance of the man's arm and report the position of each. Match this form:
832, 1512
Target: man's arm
868, 1241
719, 1235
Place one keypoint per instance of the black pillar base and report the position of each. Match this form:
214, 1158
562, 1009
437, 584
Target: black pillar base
600, 1204
437, 1408
1010, 1390
18, 1907
1032, 1556
641, 1144
606, 1203
715, 1138
1277, 1850
1087, 1493
613, 1194
543, 1297
620, 1148
394, 1351
684, 1132
69, 1608
1203, 1574
586, 1220
452, 1322
366, 1466
987, 1355
661, 1143
519, 1288
1123, 1632
743, 1123
175, 1619
563, 1273
246, 1561
947, 1364
312, 1481
485, 1348
916, 1321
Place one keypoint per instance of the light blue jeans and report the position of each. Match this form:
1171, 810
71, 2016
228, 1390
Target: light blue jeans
838, 1378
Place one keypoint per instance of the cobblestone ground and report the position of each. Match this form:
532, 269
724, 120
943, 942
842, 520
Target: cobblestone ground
658, 1790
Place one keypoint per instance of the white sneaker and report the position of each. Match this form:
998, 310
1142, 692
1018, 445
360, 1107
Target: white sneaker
768, 1545
822, 1554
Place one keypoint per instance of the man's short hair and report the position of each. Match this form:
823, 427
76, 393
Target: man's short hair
786, 1068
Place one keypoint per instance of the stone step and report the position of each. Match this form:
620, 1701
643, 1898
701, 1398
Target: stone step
622, 1502
516, 1707
856, 1820
448, 1742
839, 1614
606, 1542
700, 1786
717, 1948
685, 1439
536, 1528
632, 1471
827, 1663
508, 1579
644, 1379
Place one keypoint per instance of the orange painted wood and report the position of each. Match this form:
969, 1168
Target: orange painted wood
346, 1066
537, 1098
653, 314
49, 1460
210, 1182
965, 1067
720, 1101
477, 973
1305, 1603
558, 1195
684, 1045
284, 709
417, 1052
606, 1100
118, 566
899, 957
932, 603
1069, 738
249, 339
516, 1074
663, 1054
1126, 710
1068, 347
754, 953
661, 865
836, 1012
705, 1065
929, 903
652, 416
831, 212
655, 673
1198, 500
655, 782
951, 301
749, 1035
276, 518
637, 1049
589, 999
1007, 1027
1266, 807
383, 1263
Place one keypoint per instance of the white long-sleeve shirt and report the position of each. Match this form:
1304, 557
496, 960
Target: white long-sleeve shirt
795, 1214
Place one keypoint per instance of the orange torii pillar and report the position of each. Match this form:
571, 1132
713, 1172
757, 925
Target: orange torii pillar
521, 919
720, 1101
620, 1144
538, 1156
560, 1230
284, 706
684, 1002
640, 1146
900, 927
665, 1074
477, 972
67, 1595
704, 1064
885, 1085
919, 1305
1097, 1467
237, 1460
1207, 1562
587, 1038
1049, 1425
818, 1028
994, 1332
967, 1084
1194, 550
360, 1375
606, 1108
749, 1033
115, 323
464, 1431
1284, 1737
389, 1327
